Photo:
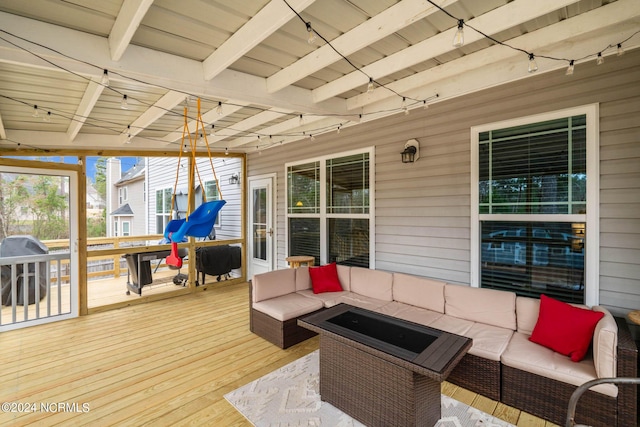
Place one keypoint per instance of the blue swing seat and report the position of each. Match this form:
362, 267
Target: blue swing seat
199, 224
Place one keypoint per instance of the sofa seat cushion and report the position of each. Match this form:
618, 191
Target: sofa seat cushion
452, 324
489, 341
288, 306
409, 312
531, 357
328, 298
357, 300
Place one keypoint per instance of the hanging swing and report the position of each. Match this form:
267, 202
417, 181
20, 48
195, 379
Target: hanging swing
200, 222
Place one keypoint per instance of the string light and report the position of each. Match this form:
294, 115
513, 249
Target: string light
426, 106
404, 106
127, 139
226, 151
338, 130
47, 118
301, 120
105, 78
124, 104
570, 68
458, 38
370, 85
533, 67
35, 112
219, 108
311, 137
620, 50
311, 39
600, 59
212, 134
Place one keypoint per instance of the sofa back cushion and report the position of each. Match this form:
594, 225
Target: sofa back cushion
372, 283
344, 274
527, 310
489, 306
303, 278
605, 341
419, 292
273, 284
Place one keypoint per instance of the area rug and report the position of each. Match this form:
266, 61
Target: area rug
290, 396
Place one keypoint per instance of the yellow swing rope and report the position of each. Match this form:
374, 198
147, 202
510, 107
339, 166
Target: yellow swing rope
193, 167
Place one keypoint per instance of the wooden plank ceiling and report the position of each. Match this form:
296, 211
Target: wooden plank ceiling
253, 59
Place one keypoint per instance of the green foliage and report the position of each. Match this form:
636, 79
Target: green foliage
97, 226
101, 177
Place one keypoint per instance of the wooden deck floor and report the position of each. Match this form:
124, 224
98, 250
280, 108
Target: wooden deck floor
165, 363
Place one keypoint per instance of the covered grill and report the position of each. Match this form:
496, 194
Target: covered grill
36, 274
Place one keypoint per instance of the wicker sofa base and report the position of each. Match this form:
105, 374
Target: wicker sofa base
547, 399
479, 375
283, 334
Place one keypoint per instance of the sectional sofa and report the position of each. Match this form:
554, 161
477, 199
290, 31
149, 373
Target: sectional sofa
503, 364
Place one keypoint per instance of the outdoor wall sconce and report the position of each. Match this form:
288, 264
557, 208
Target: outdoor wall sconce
411, 151
234, 179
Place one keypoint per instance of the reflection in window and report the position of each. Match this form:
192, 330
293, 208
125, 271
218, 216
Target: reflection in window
304, 188
348, 184
304, 237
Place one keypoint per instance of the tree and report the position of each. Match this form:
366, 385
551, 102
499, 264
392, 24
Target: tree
13, 197
101, 177
49, 209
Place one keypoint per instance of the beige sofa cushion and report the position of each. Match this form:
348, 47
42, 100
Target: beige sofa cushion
452, 324
527, 311
273, 284
328, 298
489, 342
344, 275
303, 278
605, 342
409, 312
418, 291
288, 306
357, 300
493, 307
372, 283
527, 356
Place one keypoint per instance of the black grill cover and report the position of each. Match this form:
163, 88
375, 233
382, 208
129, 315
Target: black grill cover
217, 260
19, 246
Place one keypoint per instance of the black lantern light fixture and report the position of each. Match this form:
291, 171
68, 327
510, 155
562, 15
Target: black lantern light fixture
411, 151
234, 179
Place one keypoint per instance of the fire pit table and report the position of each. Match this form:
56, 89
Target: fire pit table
381, 370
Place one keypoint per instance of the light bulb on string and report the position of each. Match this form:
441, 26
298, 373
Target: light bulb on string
104, 80
124, 104
570, 68
458, 38
426, 106
620, 50
127, 135
600, 59
212, 133
311, 137
311, 38
47, 117
370, 85
226, 151
404, 105
35, 114
533, 67
301, 120
338, 130
219, 108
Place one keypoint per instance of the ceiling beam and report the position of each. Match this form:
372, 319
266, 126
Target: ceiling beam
127, 22
144, 64
157, 110
267, 21
88, 101
493, 22
3, 132
395, 18
209, 117
609, 17
249, 123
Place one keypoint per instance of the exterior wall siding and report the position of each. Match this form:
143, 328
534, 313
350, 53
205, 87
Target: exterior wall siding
423, 209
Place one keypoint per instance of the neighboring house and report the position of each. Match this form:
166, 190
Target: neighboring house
161, 182
126, 199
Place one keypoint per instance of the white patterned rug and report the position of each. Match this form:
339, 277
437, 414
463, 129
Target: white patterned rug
289, 397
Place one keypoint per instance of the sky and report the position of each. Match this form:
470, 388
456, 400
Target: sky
126, 163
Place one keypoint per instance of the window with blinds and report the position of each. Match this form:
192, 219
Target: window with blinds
537, 175
328, 209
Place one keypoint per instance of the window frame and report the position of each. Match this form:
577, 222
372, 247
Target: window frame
323, 216
164, 215
591, 218
206, 184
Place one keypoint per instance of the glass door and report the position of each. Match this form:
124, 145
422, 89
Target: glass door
39, 243
261, 225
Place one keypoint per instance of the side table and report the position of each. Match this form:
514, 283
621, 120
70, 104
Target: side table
297, 260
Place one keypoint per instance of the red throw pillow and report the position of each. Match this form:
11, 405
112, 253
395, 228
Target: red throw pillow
564, 328
325, 278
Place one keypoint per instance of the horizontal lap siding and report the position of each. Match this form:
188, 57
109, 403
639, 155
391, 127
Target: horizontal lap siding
423, 209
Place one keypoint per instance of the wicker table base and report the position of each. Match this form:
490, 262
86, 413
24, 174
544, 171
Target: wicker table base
374, 391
